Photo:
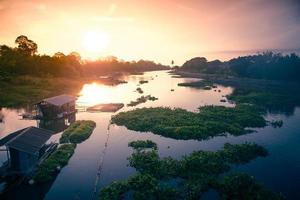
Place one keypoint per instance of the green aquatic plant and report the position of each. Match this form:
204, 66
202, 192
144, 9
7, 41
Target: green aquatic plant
115, 191
178, 123
240, 154
187, 178
142, 99
242, 186
51, 166
142, 144
78, 132
277, 123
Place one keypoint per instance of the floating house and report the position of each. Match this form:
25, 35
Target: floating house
57, 125
26, 147
56, 107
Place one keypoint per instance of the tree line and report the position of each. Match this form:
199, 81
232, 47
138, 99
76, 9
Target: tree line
24, 60
267, 65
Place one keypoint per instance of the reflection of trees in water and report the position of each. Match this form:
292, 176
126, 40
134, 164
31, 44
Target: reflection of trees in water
57, 125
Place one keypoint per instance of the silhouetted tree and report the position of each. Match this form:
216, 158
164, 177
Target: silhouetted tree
59, 55
26, 46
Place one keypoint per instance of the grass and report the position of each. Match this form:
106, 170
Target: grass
189, 177
178, 123
23, 90
78, 132
51, 166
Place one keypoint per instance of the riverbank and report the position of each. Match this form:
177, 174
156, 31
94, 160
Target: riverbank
21, 91
25, 90
270, 95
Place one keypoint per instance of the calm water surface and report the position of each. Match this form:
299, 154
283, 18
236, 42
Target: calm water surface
279, 171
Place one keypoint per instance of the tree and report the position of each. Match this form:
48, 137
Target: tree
59, 55
26, 46
76, 55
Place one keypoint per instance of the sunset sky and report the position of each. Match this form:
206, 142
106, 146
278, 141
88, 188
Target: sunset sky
162, 30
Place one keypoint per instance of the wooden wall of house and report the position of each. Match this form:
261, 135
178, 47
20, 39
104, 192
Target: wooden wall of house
51, 111
22, 161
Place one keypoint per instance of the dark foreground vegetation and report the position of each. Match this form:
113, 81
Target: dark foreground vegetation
267, 65
48, 170
191, 176
178, 123
78, 132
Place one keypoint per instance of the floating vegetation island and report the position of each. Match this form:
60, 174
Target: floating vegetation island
48, 170
142, 99
178, 123
139, 90
202, 84
191, 176
142, 144
78, 132
143, 81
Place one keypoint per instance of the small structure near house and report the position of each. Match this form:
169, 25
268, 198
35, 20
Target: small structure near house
56, 107
106, 107
26, 147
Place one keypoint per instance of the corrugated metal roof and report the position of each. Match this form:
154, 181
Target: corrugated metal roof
60, 100
7, 138
30, 140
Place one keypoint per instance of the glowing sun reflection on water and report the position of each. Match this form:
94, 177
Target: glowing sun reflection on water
92, 94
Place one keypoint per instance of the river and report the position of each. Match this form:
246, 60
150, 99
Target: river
108, 149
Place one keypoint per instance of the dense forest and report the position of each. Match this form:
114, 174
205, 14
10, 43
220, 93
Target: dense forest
24, 60
267, 65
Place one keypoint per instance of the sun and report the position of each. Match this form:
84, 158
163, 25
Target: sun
95, 43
